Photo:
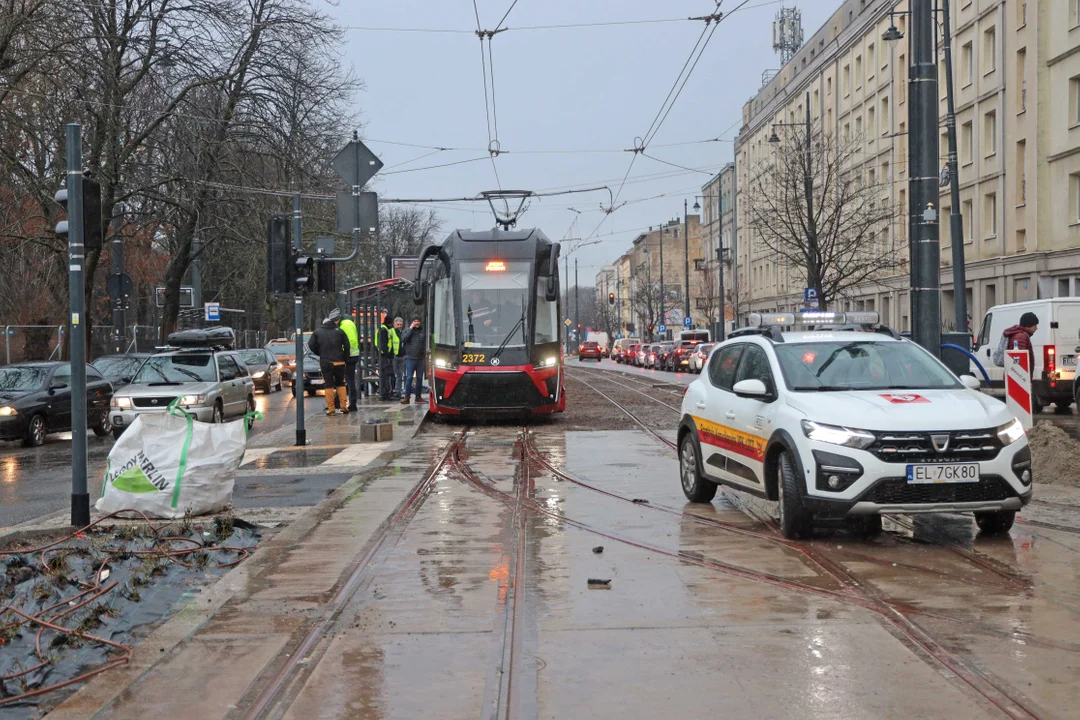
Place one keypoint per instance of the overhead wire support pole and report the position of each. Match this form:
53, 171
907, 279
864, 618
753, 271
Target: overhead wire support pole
956, 219
298, 306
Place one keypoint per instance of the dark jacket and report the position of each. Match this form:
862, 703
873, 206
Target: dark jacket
383, 342
330, 343
412, 343
1017, 338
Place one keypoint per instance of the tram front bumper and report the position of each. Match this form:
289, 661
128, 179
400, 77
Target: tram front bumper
509, 389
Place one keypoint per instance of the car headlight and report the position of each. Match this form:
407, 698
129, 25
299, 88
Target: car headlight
192, 399
835, 435
8, 411
121, 402
259, 374
1008, 433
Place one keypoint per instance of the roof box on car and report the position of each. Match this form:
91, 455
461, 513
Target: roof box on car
212, 337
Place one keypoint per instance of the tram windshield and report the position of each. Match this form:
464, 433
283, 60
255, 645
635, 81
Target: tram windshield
495, 303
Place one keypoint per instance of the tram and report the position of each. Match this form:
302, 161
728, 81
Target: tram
491, 303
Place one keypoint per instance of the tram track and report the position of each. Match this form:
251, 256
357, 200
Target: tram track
851, 591
303, 659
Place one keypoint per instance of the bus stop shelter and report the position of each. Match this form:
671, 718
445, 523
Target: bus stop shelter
367, 305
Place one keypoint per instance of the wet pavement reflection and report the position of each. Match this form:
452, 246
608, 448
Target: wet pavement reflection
483, 607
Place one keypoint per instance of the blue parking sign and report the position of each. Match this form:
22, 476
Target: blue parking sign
661, 328
687, 321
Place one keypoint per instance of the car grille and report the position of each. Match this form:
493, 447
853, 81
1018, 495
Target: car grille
152, 402
897, 491
914, 448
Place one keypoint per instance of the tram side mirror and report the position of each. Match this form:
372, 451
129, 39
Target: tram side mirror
419, 295
552, 290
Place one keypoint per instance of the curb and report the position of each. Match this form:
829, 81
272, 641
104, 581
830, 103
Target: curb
95, 696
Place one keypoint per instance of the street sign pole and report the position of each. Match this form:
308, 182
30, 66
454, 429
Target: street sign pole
80, 495
298, 307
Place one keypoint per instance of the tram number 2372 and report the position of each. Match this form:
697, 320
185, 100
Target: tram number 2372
473, 358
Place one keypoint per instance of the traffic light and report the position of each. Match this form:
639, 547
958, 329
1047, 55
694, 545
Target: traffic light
324, 277
91, 213
611, 298
279, 256
304, 280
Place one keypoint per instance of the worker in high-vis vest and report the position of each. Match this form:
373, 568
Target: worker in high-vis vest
348, 327
388, 344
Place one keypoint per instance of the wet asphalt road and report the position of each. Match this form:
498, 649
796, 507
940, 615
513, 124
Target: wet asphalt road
37, 481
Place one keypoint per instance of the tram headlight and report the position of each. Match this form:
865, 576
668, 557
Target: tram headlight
548, 362
444, 364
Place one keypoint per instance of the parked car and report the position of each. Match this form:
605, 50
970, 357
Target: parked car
35, 400
313, 377
630, 355
663, 355
120, 368
590, 350
649, 358
618, 349
264, 368
700, 356
849, 428
1055, 344
210, 382
679, 358
285, 352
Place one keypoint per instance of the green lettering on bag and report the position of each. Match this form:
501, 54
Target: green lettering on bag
134, 481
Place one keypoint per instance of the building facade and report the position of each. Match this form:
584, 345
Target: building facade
718, 223
1016, 68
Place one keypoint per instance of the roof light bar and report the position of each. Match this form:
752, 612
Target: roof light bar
813, 318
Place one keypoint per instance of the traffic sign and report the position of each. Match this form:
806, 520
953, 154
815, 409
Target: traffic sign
356, 164
661, 328
349, 218
568, 323
809, 294
687, 321
120, 286
213, 311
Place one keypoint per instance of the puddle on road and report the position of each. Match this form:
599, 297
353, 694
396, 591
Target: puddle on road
296, 458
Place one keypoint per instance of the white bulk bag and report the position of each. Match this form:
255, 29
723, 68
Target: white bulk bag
166, 464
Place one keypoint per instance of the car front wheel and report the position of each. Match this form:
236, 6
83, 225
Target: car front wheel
996, 522
696, 488
795, 521
36, 432
104, 426
218, 416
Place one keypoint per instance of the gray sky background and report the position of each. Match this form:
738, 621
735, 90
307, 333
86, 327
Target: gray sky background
589, 90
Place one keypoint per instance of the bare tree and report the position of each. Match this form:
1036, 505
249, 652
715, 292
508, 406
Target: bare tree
647, 300
810, 206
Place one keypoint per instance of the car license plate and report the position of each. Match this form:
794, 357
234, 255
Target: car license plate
1068, 361
952, 473
315, 381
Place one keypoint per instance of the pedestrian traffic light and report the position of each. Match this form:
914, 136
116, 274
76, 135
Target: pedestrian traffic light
91, 213
324, 276
304, 280
611, 298
279, 256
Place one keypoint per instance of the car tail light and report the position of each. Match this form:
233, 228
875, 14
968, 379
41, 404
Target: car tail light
1049, 362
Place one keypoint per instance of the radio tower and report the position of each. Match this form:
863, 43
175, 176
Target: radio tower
787, 33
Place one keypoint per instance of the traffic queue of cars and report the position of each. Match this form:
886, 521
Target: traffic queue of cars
684, 355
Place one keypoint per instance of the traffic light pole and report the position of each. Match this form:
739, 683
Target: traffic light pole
119, 336
298, 306
80, 495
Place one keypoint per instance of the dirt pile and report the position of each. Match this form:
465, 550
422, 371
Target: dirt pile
1055, 455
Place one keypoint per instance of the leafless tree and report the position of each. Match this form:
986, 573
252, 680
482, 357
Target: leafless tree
809, 205
647, 300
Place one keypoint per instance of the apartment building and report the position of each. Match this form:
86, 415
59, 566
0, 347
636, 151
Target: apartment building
1017, 80
718, 225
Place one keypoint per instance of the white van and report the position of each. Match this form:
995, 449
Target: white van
1055, 344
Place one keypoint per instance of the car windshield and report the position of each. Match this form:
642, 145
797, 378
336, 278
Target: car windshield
282, 348
861, 365
182, 368
118, 366
21, 379
253, 357
494, 303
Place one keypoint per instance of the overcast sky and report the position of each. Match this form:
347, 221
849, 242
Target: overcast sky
588, 91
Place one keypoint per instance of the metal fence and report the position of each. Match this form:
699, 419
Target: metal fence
27, 343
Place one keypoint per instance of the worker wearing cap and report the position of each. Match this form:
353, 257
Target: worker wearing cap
331, 346
348, 327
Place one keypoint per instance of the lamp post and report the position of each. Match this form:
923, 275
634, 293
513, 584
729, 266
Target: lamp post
721, 331
663, 298
686, 245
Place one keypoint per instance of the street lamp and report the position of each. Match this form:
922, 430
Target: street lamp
722, 315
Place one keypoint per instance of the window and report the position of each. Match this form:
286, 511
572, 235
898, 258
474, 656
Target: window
871, 120
884, 116
1021, 80
847, 132
858, 72
989, 49
865, 364
966, 213
871, 177
493, 303
990, 133
966, 66
444, 330
990, 215
828, 86
816, 107
871, 58
178, 368
984, 334
227, 367
903, 215
885, 177
1074, 100
846, 87
1021, 172
1074, 12
902, 80
1074, 194
1021, 14
858, 128
946, 210
547, 315
723, 365
967, 150
754, 365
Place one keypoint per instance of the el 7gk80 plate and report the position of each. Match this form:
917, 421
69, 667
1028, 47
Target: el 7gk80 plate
951, 473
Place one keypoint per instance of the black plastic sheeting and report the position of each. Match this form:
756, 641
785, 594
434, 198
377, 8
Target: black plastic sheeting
150, 588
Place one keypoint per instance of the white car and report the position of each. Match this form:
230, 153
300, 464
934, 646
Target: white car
848, 425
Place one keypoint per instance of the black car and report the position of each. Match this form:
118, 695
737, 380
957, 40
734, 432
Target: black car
663, 355
35, 400
313, 378
264, 368
120, 368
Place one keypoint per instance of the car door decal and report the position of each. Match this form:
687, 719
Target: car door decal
728, 438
